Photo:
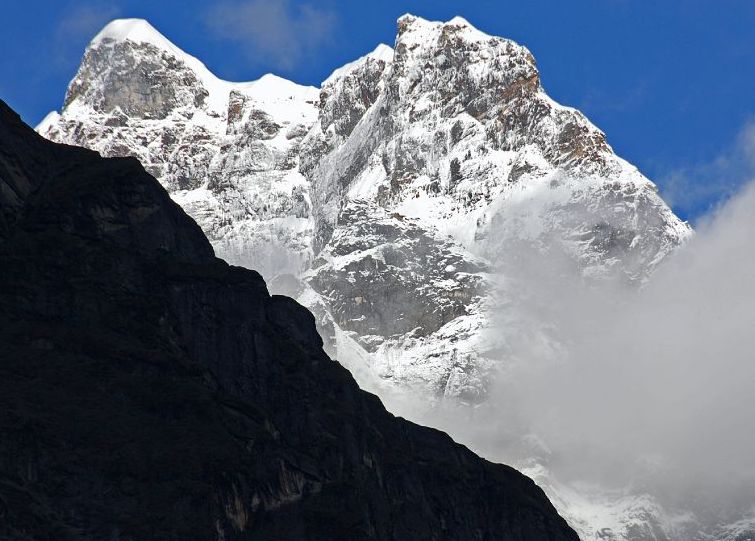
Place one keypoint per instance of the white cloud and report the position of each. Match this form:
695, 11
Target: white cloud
709, 184
665, 373
273, 30
652, 388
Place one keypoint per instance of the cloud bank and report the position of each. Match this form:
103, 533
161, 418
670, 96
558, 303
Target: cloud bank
661, 377
616, 387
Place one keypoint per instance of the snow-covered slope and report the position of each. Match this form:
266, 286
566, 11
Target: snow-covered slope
396, 202
227, 152
456, 136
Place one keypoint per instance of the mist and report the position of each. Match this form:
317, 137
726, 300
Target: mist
660, 376
603, 382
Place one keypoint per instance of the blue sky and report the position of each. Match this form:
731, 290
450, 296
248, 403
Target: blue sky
672, 82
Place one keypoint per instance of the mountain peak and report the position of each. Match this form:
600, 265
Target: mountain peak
459, 20
135, 30
107, 80
167, 78
382, 53
424, 28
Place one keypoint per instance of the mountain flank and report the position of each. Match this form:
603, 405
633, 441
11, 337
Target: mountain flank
149, 390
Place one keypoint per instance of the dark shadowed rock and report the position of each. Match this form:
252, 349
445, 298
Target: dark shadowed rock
151, 391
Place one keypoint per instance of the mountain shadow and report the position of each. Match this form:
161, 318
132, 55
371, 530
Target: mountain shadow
148, 390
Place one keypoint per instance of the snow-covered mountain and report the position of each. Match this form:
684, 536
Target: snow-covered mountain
227, 152
393, 201
456, 138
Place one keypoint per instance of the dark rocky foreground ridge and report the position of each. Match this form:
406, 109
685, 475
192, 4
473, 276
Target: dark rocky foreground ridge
148, 390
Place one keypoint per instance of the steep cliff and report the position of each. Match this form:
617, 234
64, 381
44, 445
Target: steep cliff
150, 390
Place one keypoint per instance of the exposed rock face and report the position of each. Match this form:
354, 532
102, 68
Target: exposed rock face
141, 86
389, 260
149, 390
351, 90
